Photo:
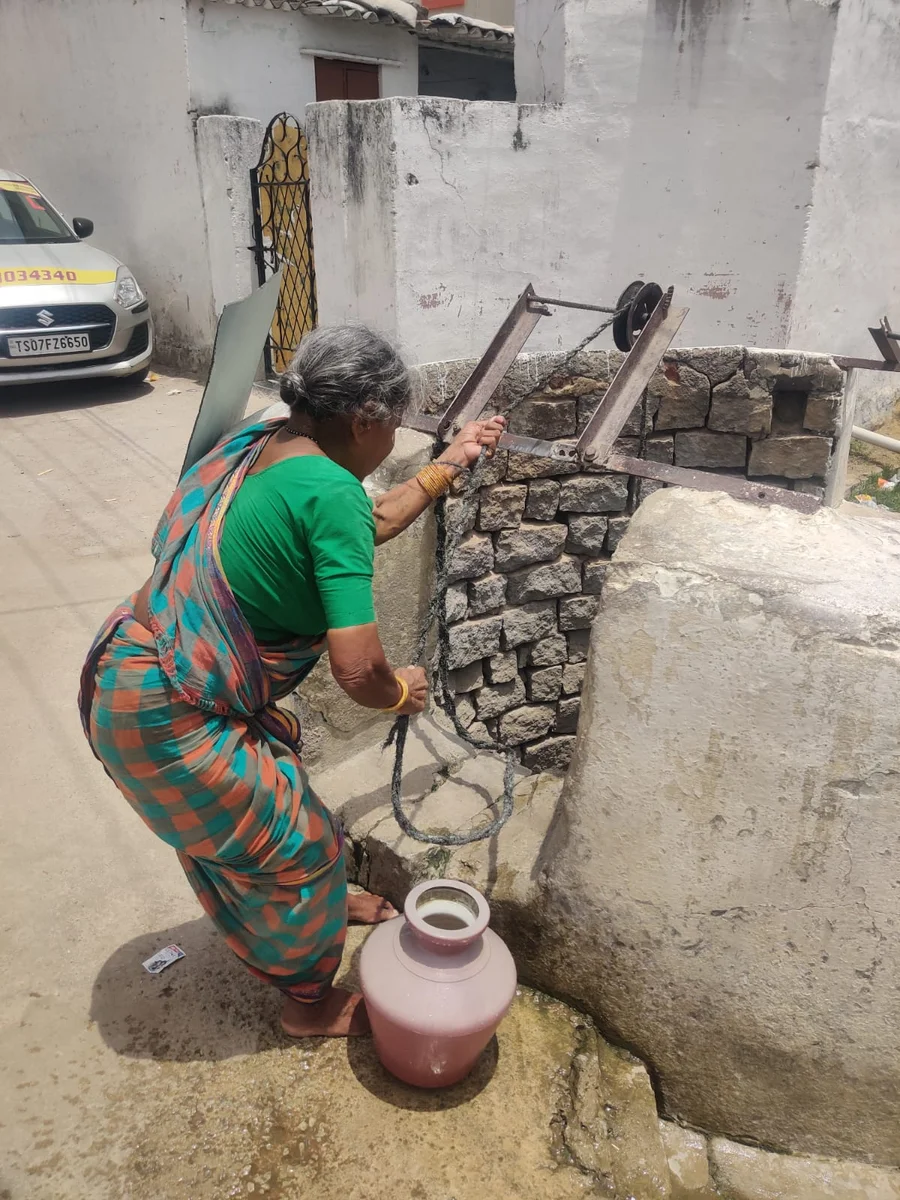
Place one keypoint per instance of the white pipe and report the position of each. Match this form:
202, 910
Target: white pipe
876, 439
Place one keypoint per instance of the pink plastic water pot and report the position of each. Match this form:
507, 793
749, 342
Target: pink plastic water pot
437, 983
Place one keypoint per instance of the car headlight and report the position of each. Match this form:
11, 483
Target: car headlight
127, 292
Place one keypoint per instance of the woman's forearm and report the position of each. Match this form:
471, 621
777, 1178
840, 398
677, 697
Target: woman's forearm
360, 667
397, 509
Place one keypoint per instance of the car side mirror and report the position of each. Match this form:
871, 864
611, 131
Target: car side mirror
83, 227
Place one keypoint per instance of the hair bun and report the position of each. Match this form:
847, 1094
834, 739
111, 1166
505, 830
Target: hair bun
294, 391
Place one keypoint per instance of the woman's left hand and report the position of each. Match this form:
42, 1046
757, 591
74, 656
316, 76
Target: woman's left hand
466, 446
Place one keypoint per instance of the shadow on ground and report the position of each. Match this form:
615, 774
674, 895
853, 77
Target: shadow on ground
32, 399
208, 1007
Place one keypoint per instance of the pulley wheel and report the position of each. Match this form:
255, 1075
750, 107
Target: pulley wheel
639, 300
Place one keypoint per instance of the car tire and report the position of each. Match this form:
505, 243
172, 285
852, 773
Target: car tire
139, 376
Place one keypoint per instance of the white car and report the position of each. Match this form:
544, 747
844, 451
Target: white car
67, 311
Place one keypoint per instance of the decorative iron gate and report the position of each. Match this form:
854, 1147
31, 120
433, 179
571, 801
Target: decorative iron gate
282, 233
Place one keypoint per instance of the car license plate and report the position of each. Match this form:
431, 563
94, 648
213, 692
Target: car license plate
48, 343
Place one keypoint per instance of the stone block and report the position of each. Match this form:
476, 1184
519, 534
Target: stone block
704, 448
800, 456
547, 652
617, 527
545, 684
501, 506
461, 515
567, 718
543, 500
542, 582
793, 369
457, 602
471, 640
532, 542
503, 668
746, 1173
474, 556
587, 533
493, 470
572, 678
465, 710
811, 487
682, 395
660, 449
527, 723
577, 643
468, 678
494, 701
552, 754
822, 412
530, 466
487, 594
545, 417
587, 405
528, 623
687, 1158
578, 612
593, 576
594, 494
645, 488
717, 363
572, 385
741, 406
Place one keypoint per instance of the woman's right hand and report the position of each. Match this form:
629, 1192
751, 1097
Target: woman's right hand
417, 682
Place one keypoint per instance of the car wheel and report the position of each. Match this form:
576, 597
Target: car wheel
138, 376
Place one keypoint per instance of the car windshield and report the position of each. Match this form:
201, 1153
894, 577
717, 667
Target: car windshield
25, 216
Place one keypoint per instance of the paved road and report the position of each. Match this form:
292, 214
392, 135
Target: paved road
84, 474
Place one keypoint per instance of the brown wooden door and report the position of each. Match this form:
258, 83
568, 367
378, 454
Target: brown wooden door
337, 79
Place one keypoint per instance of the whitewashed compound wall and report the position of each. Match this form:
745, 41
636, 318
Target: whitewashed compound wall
716, 147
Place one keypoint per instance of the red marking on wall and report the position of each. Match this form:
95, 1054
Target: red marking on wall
432, 300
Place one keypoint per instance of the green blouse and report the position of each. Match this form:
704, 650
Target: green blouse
297, 549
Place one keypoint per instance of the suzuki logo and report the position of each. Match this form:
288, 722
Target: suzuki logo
46, 318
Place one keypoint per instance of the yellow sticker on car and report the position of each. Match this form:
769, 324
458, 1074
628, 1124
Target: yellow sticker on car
12, 185
22, 276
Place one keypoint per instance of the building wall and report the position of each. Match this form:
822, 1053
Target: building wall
501, 12
256, 62
848, 278
100, 121
676, 149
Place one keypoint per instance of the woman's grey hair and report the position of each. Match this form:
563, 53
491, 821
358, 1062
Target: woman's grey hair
346, 371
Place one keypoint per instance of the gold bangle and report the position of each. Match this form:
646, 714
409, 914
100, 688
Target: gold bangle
435, 480
404, 696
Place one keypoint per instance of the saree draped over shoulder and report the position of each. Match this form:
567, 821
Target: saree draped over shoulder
184, 721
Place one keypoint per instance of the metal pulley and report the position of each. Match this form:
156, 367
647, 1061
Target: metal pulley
638, 302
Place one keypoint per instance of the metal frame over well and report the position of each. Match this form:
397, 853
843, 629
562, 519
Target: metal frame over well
650, 332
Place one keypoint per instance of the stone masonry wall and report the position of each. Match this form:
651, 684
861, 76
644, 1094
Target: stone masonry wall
527, 575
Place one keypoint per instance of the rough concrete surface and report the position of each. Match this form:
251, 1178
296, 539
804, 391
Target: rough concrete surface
728, 841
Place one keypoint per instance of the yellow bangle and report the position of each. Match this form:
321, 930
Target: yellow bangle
435, 480
404, 696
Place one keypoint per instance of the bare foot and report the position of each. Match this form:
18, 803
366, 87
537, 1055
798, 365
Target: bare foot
340, 1014
367, 909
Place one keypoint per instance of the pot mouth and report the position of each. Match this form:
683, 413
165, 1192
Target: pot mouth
447, 912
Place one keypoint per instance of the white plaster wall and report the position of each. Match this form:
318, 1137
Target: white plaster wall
94, 104
849, 274
679, 153
256, 62
227, 148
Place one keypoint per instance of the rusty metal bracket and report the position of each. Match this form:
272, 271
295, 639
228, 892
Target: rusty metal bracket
886, 341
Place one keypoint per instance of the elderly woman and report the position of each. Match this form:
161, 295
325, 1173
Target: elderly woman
264, 556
